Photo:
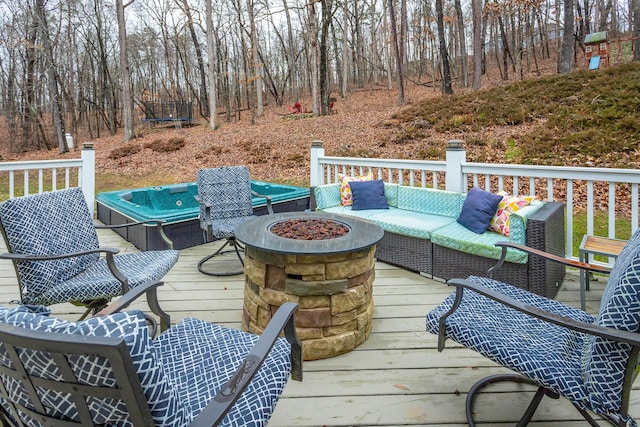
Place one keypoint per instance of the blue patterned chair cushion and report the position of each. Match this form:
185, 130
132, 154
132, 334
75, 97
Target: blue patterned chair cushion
57, 223
164, 402
604, 362
228, 191
33, 225
200, 357
549, 354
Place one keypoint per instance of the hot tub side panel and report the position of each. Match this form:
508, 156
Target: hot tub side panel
184, 234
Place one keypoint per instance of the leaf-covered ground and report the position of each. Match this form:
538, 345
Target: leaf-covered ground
583, 119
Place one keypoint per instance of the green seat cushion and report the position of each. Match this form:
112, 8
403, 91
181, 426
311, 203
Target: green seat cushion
456, 236
408, 223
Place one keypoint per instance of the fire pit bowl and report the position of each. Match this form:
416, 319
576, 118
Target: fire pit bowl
330, 277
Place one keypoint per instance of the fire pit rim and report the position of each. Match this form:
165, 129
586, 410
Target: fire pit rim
255, 233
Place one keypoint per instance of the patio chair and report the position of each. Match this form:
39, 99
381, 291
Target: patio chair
564, 351
53, 244
107, 370
224, 196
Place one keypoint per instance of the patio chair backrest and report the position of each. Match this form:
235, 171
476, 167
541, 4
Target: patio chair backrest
102, 371
50, 223
227, 190
605, 363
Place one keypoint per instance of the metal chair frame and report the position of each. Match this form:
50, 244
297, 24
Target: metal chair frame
126, 387
615, 335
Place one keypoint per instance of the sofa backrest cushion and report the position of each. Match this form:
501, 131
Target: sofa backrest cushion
166, 407
327, 196
429, 201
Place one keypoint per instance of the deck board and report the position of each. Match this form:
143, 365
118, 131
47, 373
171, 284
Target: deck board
397, 377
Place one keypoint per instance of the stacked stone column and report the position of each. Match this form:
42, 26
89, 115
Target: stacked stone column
334, 293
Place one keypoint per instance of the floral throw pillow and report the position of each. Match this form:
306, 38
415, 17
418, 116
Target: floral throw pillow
508, 205
345, 190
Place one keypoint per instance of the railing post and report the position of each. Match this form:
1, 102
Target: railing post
456, 157
88, 175
317, 151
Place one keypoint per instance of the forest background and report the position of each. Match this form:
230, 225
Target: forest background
90, 68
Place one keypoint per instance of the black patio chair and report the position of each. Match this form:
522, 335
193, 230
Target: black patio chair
562, 350
224, 195
107, 370
53, 244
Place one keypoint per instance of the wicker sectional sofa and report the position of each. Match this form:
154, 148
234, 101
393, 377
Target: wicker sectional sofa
422, 234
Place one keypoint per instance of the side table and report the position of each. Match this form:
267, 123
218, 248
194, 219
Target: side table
595, 245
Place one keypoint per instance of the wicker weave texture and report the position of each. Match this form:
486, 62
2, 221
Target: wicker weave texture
404, 251
545, 231
449, 263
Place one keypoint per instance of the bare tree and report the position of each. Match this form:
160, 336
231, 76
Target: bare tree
327, 16
636, 30
566, 54
477, 43
127, 102
463, 44
211, 75
444, 54
256, 64
312, 46
396, 49
56, 109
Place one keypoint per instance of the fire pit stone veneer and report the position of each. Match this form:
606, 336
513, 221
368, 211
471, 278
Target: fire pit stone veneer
330, 279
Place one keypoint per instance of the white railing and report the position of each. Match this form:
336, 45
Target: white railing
27, 177
610, 192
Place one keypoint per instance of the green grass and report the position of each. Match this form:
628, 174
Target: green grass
600, 228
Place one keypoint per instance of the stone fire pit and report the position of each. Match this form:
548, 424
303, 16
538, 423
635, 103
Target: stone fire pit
330, 277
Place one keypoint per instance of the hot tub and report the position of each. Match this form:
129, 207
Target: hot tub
177, 205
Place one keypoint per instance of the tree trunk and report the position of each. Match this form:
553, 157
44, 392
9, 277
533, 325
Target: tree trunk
256, 64
211, 73
636, 30
327, 15
396, 48
566, 55
201, 94
463, 45
477, 43
56, 110
446, 70
127, 104
291, 56
387, 47
313, 49
345, 49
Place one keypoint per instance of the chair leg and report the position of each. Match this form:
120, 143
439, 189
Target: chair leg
92, 306
531, 409
235, 247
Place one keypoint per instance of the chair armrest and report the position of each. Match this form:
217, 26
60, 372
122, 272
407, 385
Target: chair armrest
159, 223
150, 288
616, 335
561, 260
109, 253
26, 257
283, 320
125, 300
269, 207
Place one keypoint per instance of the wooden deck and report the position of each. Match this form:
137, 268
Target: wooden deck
397, 377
